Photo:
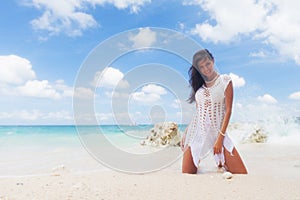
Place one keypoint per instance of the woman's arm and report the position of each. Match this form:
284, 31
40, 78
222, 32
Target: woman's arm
228, 107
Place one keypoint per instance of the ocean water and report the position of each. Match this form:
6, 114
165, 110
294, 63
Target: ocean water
279, 130
30, 150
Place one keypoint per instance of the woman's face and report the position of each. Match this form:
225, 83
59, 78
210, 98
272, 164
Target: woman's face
206, 67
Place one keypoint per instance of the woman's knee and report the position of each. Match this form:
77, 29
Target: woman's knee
189, 171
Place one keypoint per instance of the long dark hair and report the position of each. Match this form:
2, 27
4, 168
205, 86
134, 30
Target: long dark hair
196, 80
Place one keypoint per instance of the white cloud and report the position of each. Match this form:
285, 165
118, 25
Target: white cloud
15, 70
297, 59
150, 93
259, 54
21, 114
295, 96
66, 91
59, 115
152, 88
32, 115
144, 38
70, 16
133, 5
62, 16
109, 78
109, 94
145, 97
276, 23
104, 116
35, 115
267, 99
238, 105
37, 88
83, 93
237, 81
232, 17
181, 26
119, 95
176, 103
17, 78
40, 89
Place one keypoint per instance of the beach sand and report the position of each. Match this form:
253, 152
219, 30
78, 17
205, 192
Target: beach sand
274, 173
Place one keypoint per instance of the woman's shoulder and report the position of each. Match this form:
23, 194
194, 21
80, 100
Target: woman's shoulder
225, 76
226, 79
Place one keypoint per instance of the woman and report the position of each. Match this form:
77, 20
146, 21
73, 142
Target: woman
213, 94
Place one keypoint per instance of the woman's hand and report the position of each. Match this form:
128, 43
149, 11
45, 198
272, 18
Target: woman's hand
218, 145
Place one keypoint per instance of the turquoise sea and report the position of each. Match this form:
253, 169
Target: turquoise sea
49, 136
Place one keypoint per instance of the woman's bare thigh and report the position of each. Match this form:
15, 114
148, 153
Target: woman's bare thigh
234, 164
188, 163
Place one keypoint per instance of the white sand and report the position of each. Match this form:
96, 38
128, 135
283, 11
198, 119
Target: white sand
274, 173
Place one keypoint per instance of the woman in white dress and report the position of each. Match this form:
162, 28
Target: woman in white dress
206, 133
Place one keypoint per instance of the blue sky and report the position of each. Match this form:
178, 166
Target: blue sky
43, 44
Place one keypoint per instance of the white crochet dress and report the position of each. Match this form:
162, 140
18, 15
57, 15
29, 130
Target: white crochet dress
203, 130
